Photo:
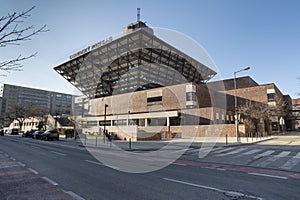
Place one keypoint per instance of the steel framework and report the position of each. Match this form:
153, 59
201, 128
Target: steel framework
135, 61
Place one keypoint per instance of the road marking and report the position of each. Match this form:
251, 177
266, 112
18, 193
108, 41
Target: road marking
233, 152
35, 147
224, 150
101, 164
12, 158
212, 188
273, 159
74, 195
266, 153
253, 151
22, 164
206, 149
97, 163
50, 181
268, 175
291, 162
174, 163
58, 153
32, 170
283, 154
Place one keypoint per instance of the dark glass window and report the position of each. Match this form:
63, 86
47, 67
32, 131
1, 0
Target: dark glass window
154, 99
271, 97
107, 123
190, 96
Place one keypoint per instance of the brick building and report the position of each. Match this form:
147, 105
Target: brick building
140, 87
296, 112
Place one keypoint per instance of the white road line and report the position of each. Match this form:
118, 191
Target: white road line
101, 164
253, 151
283, 154
74, 195
206, 149
97, 163
12, 158
35, 147
21, 164
273, 159
50, 181
58, 153
298, 155
267, 175
233, 152
266, 153
224, 150
32, 170
212, 188
291, 162
178, 164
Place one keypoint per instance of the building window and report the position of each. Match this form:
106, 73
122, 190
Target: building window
175, 121
154, 99
107, 123
271, 97
191, 96
120, 122
157, 122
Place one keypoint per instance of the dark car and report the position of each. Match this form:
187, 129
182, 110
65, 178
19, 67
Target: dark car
37, 134
13, 131
1, 132
28, 133
50, 135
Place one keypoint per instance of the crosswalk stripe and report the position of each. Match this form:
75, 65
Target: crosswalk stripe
283, 154
224, 150
291, 162
233, 152
253, 151
273, 159
266, 153
298, 155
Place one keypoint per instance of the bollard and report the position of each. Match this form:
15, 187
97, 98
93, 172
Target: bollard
226, 139
96, 140
129, 143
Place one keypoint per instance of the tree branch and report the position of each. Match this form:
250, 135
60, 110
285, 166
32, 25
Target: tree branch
12, 33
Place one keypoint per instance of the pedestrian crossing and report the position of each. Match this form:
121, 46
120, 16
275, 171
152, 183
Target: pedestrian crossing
257, 157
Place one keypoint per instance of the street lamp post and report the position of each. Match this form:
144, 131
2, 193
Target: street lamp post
104, 131
236, 106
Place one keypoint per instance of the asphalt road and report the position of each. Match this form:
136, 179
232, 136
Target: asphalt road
74, 169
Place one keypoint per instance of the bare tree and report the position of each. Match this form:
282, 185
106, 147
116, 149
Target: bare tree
12, 32
18, 113
254, 113
41, 114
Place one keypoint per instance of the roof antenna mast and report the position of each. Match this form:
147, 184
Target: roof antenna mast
138, 14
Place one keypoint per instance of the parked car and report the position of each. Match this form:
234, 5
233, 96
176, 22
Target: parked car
1, 132
13, 131
50, 135
37, 134
28, 133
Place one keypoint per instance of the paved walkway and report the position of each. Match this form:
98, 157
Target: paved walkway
18, 182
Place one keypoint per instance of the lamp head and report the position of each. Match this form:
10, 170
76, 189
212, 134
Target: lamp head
246, 68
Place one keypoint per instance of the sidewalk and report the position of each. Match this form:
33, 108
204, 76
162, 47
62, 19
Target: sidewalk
155, 145
17, 182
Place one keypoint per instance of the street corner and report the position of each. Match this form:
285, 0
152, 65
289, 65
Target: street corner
19, 182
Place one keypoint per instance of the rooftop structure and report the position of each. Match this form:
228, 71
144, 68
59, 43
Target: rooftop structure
138, 60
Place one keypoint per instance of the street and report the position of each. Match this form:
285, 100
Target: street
226, 173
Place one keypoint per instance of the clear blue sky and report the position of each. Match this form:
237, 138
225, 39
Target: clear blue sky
262, 34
